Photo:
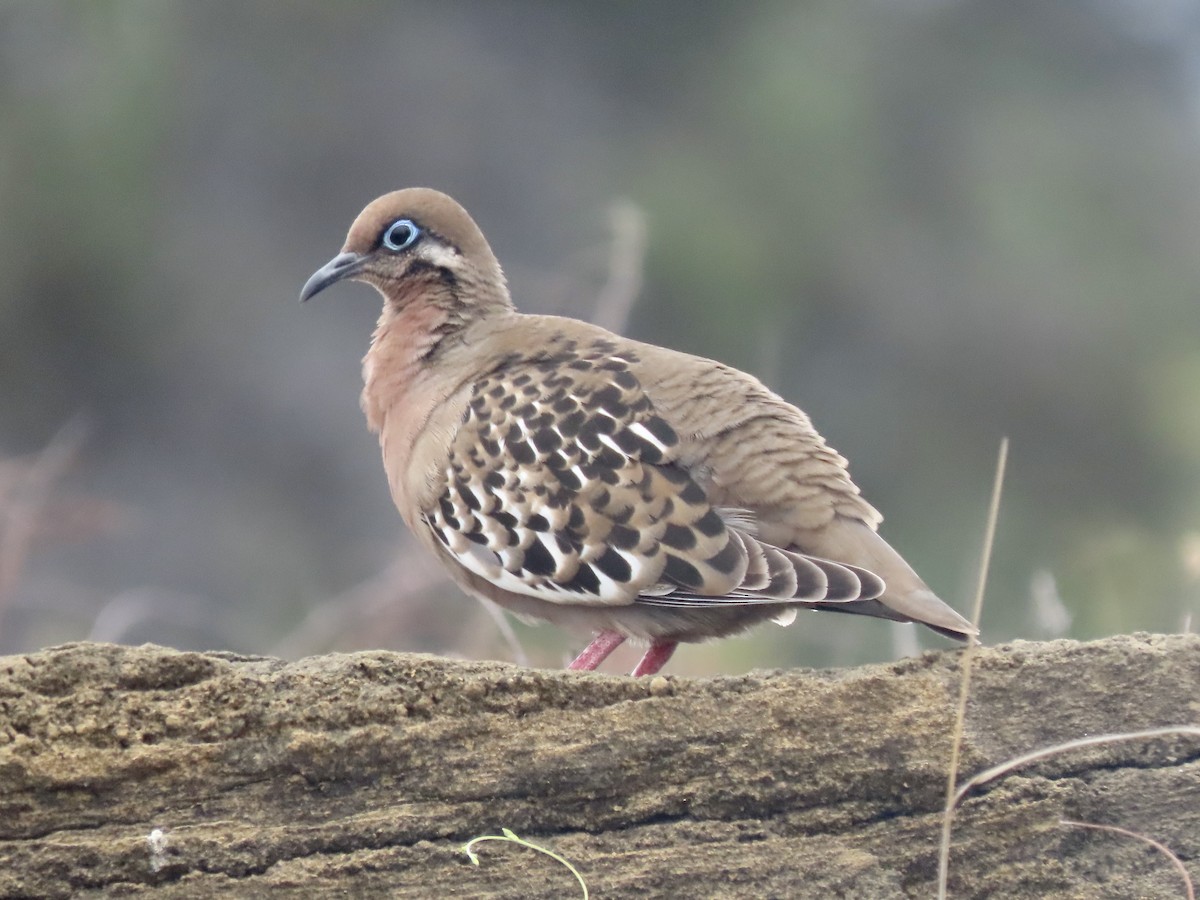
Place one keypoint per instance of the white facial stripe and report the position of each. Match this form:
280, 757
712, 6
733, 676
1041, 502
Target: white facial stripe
438, 254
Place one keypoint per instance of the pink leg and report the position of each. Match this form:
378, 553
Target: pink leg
656, 657
597, 651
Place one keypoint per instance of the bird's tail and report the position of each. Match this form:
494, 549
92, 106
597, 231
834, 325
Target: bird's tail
906, 599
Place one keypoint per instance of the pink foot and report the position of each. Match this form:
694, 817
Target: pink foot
656, 657
597, 651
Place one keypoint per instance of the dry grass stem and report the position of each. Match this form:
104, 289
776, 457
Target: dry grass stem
23, 500
496, 614
407, 574
989, 538
625, 266
1190, 891
1045, 752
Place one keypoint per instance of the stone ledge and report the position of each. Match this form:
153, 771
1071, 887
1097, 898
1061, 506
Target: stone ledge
365, 773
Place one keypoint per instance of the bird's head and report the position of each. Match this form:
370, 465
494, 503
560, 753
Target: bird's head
407, 241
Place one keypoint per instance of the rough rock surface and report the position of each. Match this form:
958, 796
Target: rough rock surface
132, 769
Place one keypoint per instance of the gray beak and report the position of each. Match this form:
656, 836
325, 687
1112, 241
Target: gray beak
344, 265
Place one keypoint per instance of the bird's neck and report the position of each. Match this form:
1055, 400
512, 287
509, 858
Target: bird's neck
408, 337
413, 370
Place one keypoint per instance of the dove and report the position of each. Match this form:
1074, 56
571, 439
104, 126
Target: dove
611, 487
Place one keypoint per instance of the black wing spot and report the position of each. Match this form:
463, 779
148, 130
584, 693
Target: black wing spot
727, 559
585, 581
568, 479
546, 440
651, 454
679, 537
522, 453
572, 423
692, 493
625, 379
621, 516
468, 496
623, 537
663, 432
682, 572
675, 475
710, 524
609, 461
448, 514
538, 560
608, 397
589, 435
615, 566
628, 441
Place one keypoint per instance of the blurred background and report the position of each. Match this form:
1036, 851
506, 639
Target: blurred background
930, 223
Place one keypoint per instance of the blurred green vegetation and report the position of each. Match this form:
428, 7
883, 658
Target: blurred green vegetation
928, 223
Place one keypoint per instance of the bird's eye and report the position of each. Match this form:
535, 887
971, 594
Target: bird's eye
401, 234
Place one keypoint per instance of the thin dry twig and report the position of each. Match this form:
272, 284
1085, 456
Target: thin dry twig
496, 614
405, 575
1044, 753
989, 539
22, 501
1161, 848
409, 574
625, 267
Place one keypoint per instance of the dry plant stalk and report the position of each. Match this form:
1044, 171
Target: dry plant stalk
989, 538
1045, 753
1146, 839
953, 796
625, 267
24, 499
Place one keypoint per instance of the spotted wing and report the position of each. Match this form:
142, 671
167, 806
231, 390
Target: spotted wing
562, 483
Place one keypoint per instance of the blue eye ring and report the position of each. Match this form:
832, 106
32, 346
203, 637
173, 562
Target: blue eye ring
401, 234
